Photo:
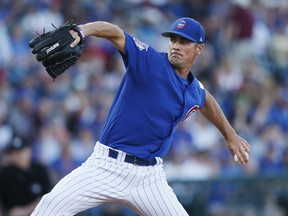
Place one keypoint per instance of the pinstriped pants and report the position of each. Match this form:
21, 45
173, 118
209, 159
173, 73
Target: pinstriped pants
102, 179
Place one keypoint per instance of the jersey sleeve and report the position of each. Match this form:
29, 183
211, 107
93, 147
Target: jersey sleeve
141, 60
201, 93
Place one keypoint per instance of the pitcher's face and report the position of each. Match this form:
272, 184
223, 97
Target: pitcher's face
182, 51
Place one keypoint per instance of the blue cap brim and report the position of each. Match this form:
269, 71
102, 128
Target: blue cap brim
171, 33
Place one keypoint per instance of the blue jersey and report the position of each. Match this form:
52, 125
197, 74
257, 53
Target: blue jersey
151, 101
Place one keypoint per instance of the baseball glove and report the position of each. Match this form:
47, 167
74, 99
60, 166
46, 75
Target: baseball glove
54, 51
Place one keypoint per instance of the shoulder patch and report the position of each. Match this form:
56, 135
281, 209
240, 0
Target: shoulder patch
141, 45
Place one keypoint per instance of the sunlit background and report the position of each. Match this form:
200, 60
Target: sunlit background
244, 65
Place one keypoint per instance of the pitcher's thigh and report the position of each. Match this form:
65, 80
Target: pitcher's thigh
70, 195
158, 199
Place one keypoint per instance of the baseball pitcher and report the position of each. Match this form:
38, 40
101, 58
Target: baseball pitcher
158, 92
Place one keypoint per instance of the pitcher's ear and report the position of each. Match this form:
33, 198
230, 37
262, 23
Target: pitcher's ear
199, 49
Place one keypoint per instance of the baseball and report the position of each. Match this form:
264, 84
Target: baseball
236, 158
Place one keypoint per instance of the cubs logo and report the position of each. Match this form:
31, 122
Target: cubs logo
190, 111
181, 24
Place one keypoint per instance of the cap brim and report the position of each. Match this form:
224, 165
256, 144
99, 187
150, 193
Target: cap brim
171, 33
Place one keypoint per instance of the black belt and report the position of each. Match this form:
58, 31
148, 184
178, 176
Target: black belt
133, 159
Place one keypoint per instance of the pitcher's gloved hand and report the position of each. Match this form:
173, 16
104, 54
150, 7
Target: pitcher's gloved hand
53, 49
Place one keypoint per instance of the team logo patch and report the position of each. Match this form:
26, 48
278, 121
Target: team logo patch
141, 45
181, 24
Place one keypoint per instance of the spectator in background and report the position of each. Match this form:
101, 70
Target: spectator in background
278, 111
240, 29
5, 49
274, 144
22, 182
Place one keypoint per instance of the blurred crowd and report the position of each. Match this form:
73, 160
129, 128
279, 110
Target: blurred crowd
244, 65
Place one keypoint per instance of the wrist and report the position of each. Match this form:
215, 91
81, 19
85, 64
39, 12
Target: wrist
81, 32
85, 30
228, 134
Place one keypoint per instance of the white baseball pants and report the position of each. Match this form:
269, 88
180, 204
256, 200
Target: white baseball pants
102, 179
